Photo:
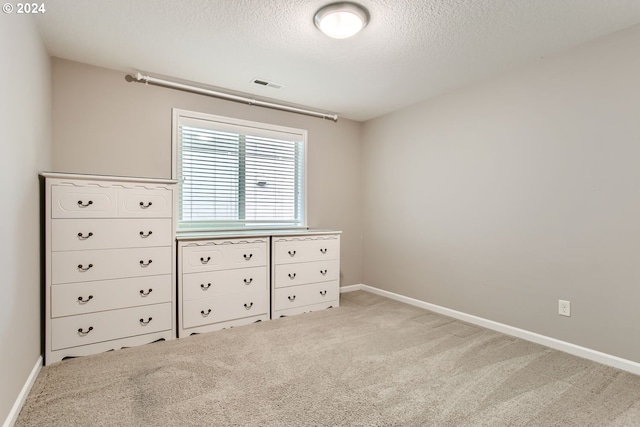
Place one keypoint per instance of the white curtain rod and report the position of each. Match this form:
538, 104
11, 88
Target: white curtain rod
194, 89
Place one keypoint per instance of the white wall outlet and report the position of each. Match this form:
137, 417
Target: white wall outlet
564, 308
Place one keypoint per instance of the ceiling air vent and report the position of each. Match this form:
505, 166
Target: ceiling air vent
267, 83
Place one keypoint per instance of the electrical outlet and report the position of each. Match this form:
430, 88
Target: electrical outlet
564, 308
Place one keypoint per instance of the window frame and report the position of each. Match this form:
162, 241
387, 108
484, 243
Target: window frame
178, 113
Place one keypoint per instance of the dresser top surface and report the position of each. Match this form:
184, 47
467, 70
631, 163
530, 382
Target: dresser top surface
200, 235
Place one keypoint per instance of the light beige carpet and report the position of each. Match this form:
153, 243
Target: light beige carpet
372, 361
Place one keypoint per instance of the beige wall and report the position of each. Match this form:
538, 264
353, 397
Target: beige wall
25, 137
503, 197
105, 125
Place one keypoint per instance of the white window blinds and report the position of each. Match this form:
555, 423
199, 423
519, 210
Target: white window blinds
237, 174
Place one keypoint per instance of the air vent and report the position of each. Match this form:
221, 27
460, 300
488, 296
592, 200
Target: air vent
267, 83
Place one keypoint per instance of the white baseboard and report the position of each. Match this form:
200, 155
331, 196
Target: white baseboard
17, 406
576, 350
351, 288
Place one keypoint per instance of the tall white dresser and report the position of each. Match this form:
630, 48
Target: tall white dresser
305, 274
109, 263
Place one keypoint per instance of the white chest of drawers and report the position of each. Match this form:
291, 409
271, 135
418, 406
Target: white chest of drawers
222, 283
305, 273
109, 263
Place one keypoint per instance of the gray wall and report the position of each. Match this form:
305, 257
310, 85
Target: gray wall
104, 125
25, 137
507, 195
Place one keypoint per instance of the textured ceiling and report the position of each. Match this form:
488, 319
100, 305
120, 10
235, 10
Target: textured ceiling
410, 51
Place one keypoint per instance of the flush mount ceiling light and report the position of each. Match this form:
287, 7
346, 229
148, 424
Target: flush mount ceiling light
341, 20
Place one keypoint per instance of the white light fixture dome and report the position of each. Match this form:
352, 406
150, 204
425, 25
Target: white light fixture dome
341, 20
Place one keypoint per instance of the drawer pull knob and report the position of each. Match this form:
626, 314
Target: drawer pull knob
292, 298
144, 236
143, 206
145, 294
81, 268
292, 276
323, 251
143, 323
248, 282
323, 293
84, 301
292, 253
323, 272
247, 257
248, 306
205, 288
81, 332
145, 264
84, 205
204, 261
83, 237
208, 312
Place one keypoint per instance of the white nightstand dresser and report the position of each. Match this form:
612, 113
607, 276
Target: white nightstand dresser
305, 273
222, 282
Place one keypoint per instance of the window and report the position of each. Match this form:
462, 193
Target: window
238, 174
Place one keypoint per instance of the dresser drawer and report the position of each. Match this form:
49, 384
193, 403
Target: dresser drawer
219, 309
212, 257
83, 202
224, 282
298, 296
85, 266
290, 250
306, 272
86, 297
147, 203
73, 331
86, 234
